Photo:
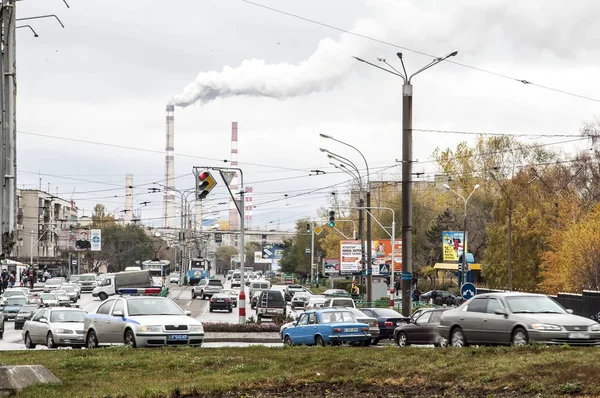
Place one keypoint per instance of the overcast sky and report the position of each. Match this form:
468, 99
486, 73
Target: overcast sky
108, 75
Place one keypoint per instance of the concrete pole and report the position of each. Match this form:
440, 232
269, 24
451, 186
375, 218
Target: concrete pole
392, 292
407, 92
312, 251
361, 204
242, 299
464, 256
510, 286
369, 255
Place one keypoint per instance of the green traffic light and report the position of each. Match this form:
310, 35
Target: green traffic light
332, 224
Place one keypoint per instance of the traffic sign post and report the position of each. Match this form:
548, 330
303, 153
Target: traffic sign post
468, 290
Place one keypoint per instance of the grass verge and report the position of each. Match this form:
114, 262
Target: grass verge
170, 372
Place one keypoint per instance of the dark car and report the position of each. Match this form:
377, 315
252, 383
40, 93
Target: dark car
446, 297
220, 301
25, 313
421, 330
387, 319
1, 326
12, 305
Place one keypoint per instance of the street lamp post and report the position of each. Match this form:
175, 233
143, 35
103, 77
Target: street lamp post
510, 209
464, 257
407, 93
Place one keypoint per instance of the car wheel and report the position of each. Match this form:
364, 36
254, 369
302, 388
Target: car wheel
129, 338
28, 343
193, 296
519, 337
92, 340
442, 342
402, 340
458, 338
102, 296
230, 309
210, 310
375, 341
319, 341
50, 341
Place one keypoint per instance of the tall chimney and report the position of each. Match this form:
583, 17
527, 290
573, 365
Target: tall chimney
248, 207
234, 223
168, 197
128, 198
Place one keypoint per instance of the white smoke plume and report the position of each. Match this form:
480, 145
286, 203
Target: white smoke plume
322, 71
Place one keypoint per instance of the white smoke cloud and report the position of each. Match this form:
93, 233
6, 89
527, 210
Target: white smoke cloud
322, 71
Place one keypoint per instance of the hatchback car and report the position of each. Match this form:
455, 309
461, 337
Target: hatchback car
55, 327
326, 326
421, 329
141, 321
516, 318
25, 313
220, 301
12, 305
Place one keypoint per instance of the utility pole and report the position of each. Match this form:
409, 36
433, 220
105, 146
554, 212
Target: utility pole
369, 255
510, 209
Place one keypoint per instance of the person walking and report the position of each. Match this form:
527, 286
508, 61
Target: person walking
11, 280
417, 294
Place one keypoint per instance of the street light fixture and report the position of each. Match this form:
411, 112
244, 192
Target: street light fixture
510, 209
464, 257
407, 93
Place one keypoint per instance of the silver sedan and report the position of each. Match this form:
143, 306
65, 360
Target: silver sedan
517, 319
55, 327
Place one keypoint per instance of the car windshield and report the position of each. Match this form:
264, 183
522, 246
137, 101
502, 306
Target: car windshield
60, 293
74, 278
87, 278
52, 282
68, 288
534, 304
338, 316
48, 296
16, 300
29, 308
153, 306
67, 316
10, 293
343, 303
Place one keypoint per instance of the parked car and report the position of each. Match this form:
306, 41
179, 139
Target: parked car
49, 299
270, 304
233, 295
141, 321
517, 319
52, 284
334, 301
300, 299
220, 301
290, 290
315, 302
422, 329
206, 288
174, 278
12, 305
25, 313
336, 292
369, 320
55, 327
71, 292
387, 319
63, 298
326, 326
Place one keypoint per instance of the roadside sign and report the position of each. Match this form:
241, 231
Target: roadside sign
96, 240
384, 269
307, 250
468, 290
318, 230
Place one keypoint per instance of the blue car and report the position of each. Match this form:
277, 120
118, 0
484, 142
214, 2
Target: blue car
326, 326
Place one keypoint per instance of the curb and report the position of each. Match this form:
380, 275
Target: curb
242, 337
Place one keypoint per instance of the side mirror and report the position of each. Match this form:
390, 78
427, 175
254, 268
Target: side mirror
501, 311
43, 320
118, 314
188, 313
412, 320
569, 311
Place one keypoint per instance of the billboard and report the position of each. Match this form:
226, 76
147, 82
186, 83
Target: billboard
452, 245
381, 256
258, 259
272, 251
76, 239
350, 256
332, 266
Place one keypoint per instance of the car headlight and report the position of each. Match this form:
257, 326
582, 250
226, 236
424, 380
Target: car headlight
545, 326
63, 331
151, 328
595, 328
196, 328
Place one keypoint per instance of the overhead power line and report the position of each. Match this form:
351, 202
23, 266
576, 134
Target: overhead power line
522, 81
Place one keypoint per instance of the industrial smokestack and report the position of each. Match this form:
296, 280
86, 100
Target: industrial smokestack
128, 198
248, 207
234, 223
168, 197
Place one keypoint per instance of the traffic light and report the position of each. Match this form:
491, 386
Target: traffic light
308, 228
332, 218
70, 229
205, 183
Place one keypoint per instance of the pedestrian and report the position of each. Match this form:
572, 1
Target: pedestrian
417, 294
433, 297
11, 280
397, 286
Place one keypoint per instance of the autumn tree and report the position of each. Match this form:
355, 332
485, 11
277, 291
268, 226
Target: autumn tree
224, 255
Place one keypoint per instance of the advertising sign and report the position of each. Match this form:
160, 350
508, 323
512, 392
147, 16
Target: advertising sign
272, 251
96, 239
381, 256
332, 266
73, 240
452, 245
350, 256
258, 259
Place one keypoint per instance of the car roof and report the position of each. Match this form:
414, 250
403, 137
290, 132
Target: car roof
509, 294
331, 309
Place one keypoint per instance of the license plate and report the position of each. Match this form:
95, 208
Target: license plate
351, 330
579, 335
178, 337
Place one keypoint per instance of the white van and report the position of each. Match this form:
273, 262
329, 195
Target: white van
259, 285
236, 279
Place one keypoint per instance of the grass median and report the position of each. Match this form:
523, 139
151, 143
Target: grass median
314, 371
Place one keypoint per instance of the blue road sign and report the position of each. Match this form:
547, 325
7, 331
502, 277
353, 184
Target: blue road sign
384, 269
468, 290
